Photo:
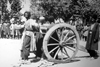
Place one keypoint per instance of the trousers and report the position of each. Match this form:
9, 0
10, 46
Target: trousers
25, 47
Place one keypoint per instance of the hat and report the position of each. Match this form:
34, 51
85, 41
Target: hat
41, 18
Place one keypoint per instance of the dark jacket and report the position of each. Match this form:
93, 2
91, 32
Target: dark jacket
93, 38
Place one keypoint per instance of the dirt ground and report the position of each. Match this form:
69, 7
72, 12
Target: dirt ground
10, 56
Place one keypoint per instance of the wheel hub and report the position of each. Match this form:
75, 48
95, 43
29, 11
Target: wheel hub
61, 43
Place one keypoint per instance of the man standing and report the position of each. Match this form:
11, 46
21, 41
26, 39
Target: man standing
92, 40
39, 40
28, 37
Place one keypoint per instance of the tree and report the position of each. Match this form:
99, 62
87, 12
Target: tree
15, 8
95, 5
36, 9
92, 11
56, 9
16, 5
66, 8
3, 10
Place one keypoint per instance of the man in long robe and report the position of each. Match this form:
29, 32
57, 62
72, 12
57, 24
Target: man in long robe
92, 40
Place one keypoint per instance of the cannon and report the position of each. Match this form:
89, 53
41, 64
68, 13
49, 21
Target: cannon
60, 43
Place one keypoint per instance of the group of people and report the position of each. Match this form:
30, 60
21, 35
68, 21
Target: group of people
32, 39
91, 34
11, 29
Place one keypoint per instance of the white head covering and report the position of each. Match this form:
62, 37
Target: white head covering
23, 19
12, 20
41, 18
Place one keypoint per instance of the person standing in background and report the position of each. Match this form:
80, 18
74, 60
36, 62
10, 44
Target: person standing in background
92, 40
12, 27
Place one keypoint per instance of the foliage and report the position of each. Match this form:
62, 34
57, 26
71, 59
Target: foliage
64, 8
67, 8
56, 9
92, 11
36, 9
95, 5
16, 6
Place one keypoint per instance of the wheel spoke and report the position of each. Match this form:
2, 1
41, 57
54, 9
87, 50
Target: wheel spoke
66, 52
62, 36
58, 33
56, 53
70, 43
66, 35
70, 48
70, 38
54, 38
53, 44
54, 49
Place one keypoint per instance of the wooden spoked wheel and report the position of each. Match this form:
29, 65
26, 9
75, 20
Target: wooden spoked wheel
60, 44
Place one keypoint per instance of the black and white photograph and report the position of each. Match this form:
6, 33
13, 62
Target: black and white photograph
49, 33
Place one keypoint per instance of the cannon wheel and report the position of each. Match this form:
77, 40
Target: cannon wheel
60, 43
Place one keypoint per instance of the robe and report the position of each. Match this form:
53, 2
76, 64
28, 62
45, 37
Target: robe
93, 37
